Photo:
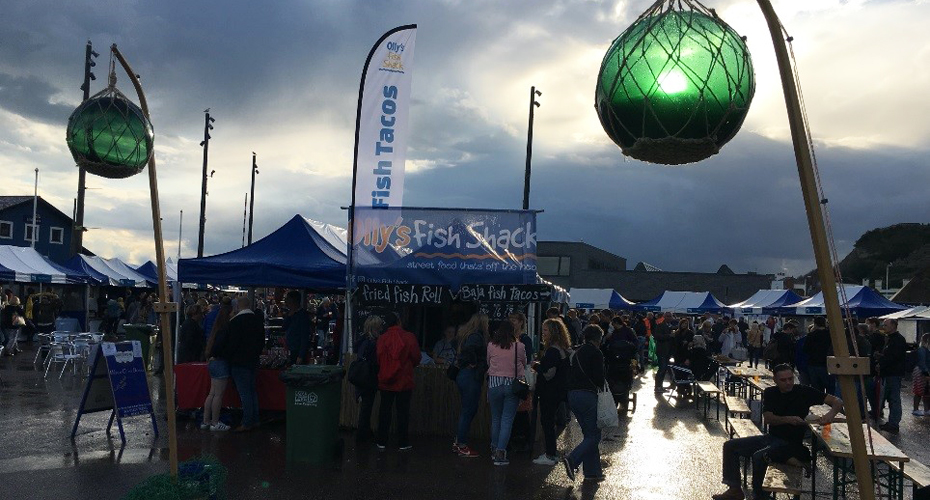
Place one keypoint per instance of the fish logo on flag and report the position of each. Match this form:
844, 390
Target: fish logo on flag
381, 125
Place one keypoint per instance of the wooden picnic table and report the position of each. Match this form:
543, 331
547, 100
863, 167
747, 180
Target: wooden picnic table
835, 441
749, 372
821, 410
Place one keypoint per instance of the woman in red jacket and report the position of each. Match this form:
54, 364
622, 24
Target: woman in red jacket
398, 354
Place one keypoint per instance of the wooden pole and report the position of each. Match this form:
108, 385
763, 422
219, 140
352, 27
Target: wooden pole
821, 250
164, 308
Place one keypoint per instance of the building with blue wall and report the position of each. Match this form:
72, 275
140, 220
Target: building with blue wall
52, 229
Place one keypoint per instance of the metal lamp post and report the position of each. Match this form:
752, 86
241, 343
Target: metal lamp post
252, 198
205, 143
529, 147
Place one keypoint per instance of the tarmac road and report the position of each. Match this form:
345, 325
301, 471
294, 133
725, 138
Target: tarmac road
660, 452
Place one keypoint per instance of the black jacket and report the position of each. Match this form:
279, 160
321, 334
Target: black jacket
586, 372
891, 362
245, 340
662, 333
818, 346
190, 342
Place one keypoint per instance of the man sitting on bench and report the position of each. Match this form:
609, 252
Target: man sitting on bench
784, 408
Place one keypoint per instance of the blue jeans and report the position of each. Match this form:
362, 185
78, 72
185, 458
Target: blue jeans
891, 392
244, 379
762, 449
820, 379
503, 410
470, 390
584, 406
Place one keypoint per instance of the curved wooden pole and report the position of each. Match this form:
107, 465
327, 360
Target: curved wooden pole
164, 308
821, 251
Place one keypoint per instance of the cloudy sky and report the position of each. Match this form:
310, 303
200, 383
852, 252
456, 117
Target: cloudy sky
281, 79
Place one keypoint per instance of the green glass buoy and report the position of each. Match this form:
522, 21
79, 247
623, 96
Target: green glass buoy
675, 86
109, 135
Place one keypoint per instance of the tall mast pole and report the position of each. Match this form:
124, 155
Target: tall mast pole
825, 269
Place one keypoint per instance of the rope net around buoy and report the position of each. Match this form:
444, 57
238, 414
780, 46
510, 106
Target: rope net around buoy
676, 85
109, 135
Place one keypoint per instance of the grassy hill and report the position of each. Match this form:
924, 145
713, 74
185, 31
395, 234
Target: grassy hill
905, 246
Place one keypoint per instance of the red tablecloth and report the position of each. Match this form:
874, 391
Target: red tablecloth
193, 384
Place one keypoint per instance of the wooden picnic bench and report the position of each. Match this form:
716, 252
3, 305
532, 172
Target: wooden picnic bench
736, 407
704, 391
834, 441
916, 472
741, 428
783, 479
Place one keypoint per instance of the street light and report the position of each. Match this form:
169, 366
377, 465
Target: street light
252, 198
205, 143
77, 232
529, 147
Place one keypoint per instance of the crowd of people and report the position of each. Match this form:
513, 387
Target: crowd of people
577, 358
229, 334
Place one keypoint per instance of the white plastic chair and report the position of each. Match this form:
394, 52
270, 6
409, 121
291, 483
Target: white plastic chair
59, 347
64, 354
45, 340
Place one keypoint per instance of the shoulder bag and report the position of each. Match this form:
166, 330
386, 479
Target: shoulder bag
519, 387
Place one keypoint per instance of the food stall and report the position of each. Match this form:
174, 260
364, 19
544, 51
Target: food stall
435, 268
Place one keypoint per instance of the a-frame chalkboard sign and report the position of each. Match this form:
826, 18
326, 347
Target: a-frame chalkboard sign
117, 383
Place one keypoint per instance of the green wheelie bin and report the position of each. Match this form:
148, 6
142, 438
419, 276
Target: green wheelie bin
314, 397
142, 333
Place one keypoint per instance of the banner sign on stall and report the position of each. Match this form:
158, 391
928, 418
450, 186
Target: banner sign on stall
381, 128
117, 383
428, 246
397, 294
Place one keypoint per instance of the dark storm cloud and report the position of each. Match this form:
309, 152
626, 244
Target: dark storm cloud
30, 97
278, 69
742, 208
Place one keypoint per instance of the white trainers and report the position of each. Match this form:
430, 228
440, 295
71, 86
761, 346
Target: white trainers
918, 413
545, 460
219, 427
204, 426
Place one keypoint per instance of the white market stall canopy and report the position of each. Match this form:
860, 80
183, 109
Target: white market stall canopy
598, 298
919, 312
765, 302
112, 272
683, 303
25, 265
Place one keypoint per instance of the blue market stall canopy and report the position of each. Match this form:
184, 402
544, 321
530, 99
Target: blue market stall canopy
448, 247
682, 303
150, 271
300, 254
25, 265
765, 302
109, 272
862, 301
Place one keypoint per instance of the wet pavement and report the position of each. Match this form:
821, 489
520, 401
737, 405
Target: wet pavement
664, 450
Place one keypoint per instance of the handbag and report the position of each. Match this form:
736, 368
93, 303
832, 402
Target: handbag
360, 373
530, 377
453, 370
519, 387
770, 353
606, 409
739, 353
